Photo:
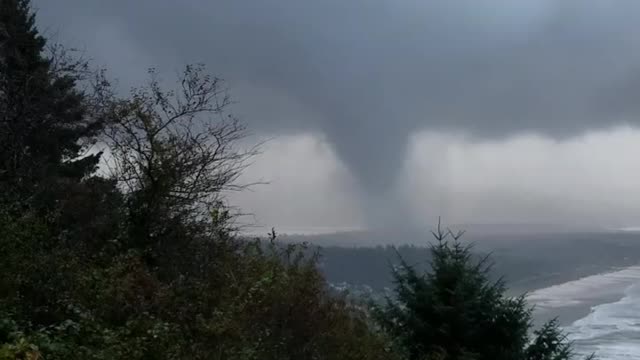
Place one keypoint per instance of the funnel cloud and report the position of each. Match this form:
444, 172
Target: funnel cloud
369, 74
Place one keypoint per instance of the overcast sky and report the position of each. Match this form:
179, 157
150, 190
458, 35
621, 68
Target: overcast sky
386, 111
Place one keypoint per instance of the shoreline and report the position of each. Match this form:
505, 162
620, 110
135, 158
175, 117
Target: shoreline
567, 315
573, 300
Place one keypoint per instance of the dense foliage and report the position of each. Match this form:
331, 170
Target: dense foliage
455, 311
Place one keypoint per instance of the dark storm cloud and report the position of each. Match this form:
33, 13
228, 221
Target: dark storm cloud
369, 72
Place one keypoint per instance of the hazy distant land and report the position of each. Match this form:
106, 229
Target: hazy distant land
528, 258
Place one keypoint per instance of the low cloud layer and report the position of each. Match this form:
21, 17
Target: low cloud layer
303, 186
585, 180
368, 75
588, 180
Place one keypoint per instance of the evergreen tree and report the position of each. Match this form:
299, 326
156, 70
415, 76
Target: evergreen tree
43, 115
455, 312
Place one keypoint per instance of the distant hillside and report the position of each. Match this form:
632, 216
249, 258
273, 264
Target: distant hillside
495, 233
527, 261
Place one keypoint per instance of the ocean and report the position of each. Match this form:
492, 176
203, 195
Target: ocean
599, 313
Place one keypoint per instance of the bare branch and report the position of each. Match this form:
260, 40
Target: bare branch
180, 148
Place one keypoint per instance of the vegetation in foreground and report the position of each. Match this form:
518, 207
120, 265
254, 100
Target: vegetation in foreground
455, 311
141, 261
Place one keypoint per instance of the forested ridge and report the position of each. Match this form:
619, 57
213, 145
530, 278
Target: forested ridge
525, 262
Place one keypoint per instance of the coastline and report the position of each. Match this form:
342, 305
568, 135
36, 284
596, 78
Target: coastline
573, 300
567, 315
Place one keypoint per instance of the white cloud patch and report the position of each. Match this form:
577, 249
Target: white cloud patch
585, 180
591, 179
308, 189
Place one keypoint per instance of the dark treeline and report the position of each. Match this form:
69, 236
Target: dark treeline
527, 262
117, 241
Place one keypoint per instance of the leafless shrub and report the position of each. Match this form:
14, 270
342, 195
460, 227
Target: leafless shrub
179, 148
